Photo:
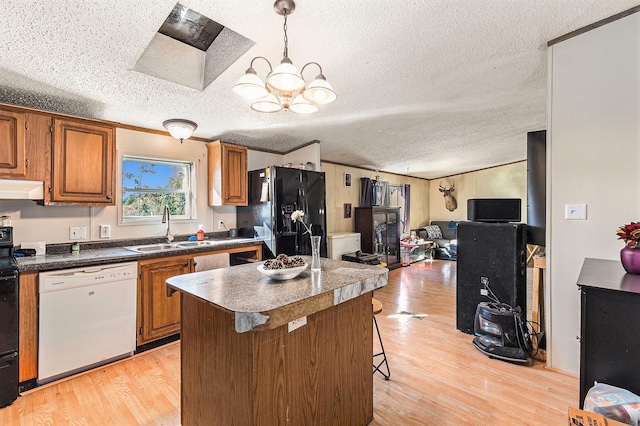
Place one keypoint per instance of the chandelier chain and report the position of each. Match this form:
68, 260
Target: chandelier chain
286, 39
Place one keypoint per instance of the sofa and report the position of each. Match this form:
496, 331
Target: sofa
446, 246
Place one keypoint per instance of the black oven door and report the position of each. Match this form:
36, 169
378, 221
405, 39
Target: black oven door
8, 312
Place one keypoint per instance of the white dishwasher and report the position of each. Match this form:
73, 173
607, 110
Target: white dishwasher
87, 318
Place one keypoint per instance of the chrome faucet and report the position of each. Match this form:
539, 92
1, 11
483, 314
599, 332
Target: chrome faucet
166, 218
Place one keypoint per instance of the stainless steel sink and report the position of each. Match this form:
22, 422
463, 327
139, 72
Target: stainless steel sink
153, 247
195, 243
149, 248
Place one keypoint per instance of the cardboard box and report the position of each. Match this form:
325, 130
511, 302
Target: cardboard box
579, 417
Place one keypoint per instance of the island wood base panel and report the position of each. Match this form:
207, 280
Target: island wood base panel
317, 374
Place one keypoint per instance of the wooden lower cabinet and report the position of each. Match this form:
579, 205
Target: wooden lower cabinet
159, 314
28, 326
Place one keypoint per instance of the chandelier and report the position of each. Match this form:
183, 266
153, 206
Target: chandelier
285, 88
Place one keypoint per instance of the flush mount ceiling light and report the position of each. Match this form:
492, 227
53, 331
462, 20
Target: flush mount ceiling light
285, 87
180, 129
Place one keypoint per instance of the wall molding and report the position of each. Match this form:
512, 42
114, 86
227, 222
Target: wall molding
594, 26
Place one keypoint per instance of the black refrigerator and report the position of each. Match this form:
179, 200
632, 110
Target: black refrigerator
275, 193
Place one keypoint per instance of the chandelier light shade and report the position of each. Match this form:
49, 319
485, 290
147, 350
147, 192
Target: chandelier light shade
286, 77
319, 91
267, 104
300, 105
179, 128
285, 88
250, 86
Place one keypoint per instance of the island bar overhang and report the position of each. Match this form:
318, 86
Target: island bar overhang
320, 373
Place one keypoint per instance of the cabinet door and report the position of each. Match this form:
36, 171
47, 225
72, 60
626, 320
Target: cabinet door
234, 175
12, 145
38, 151
158, 314
28, 326
227, 174
83, 163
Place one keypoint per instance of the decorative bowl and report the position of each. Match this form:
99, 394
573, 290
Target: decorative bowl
282, 274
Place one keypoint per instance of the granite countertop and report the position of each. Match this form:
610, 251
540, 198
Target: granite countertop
608, 275
259, 302
114, 252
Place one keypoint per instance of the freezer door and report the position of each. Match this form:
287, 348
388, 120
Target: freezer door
255, 219
287, 189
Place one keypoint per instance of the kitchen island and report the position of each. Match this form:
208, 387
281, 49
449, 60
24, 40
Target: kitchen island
263, 352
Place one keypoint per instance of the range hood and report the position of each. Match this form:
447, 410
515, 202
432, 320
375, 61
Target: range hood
21, 189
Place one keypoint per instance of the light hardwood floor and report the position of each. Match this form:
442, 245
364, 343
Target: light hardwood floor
437, 376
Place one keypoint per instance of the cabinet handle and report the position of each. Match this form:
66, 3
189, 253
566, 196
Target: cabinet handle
108, 197
26, 163
185, 264
226, 198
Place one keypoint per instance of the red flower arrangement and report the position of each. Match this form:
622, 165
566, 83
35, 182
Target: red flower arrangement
630, 234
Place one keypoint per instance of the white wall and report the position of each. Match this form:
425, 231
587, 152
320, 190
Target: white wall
594, 158
309, 153
508, 181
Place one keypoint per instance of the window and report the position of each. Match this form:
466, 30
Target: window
149, 184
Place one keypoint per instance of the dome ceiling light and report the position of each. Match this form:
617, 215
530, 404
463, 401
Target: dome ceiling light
285, 87
179, 128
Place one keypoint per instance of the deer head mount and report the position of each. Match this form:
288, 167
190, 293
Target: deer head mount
449, 201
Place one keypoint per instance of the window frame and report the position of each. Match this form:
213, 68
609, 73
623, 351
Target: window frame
191, 199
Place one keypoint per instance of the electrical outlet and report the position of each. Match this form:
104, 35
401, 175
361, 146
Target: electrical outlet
220, 224
297, 323
77, 232
105, 231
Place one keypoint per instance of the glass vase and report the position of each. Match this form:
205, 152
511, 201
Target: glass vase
630, 258
315, 252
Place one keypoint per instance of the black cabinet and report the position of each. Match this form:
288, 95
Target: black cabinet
379, 228
609, 326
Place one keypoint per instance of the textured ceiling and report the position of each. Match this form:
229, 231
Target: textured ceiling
425, 87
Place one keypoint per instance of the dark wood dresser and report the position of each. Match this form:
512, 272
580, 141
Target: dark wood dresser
609, 326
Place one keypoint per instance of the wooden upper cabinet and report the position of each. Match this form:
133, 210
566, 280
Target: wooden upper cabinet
227, 167
25, 146
38, 152
12, 145
83, 163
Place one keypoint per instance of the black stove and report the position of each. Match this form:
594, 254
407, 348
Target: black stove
7, 262
8, 319
8, 265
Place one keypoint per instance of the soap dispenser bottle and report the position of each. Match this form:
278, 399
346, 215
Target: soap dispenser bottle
200, 233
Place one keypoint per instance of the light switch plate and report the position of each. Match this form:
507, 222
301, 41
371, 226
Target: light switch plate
77, 232
575, 211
